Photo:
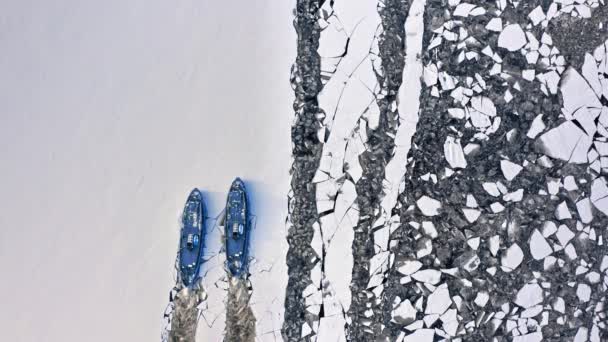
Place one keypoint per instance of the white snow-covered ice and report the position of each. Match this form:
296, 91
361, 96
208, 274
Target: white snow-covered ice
111, 112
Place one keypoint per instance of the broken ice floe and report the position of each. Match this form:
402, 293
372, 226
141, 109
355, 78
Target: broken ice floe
512, 38
429, 206
512, 258
454, 153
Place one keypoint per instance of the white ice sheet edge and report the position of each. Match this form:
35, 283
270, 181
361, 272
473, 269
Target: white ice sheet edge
336, 229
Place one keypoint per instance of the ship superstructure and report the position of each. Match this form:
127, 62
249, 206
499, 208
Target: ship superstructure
236, 229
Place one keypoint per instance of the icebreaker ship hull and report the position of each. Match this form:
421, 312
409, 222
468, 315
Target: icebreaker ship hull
237, 229
191, 238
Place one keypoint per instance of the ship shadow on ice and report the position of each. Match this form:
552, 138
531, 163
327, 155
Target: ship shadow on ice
263, 205
214, 247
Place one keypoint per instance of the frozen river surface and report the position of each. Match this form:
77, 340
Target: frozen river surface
448, 174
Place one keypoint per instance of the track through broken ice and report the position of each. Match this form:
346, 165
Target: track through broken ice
458, 211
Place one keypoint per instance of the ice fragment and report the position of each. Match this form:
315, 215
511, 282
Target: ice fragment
404, 313
539, 247
566, 142
509, 169
562, 212
409, 267
421, 335
564, 235
529, 295
428, 276
454, 153
438, 301
512, 38
428, 206
583, 292
512, 258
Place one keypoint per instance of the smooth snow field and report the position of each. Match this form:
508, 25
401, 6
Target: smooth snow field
110, 113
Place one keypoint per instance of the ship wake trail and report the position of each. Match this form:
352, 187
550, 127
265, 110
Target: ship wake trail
240, 321
184, 316
370, 256
306, 153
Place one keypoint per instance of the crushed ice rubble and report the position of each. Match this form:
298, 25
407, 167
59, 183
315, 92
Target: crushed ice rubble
496, 228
